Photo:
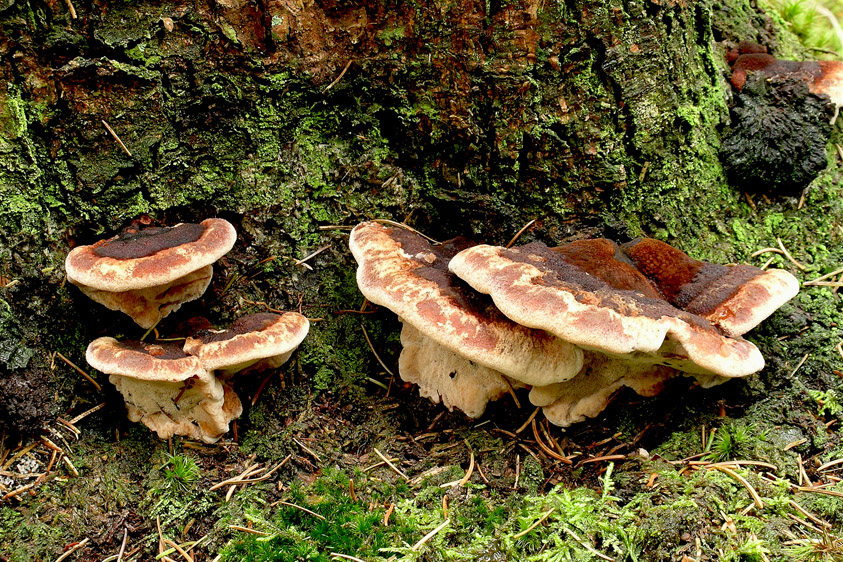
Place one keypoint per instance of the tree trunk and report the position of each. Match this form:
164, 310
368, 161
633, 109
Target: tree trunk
297, 118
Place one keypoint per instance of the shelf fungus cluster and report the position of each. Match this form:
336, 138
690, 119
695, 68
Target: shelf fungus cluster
176, 388
186, 389
573, 323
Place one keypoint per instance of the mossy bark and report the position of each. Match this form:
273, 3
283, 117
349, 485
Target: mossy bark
295, 119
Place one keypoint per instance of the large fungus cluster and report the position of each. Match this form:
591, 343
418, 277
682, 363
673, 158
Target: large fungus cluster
176, 388
573, 323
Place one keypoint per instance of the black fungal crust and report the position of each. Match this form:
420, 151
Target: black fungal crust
26, 404
778, 136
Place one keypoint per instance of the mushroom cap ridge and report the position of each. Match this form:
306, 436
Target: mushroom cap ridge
143, 361
536, 287
401, 271
250, 338
150, 257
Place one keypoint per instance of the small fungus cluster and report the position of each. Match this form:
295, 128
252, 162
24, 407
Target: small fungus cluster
573, 323
186, 389
148, 273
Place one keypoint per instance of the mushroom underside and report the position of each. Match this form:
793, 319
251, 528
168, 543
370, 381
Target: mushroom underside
200, 407
444, 376
147, 306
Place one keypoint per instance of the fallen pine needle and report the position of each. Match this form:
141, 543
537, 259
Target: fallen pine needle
238, 480
307, 450
793, 444
346, 557
809, 515
338, 78
430, 535
87, 413
19, 491
512, 393
802, 362
87, 377
788, 256
75, 547
405, 227
468, 473
70, 465
604, 458
372, 347
392, 466
312, 255
547, 450
246, 530
587, 546
300, 508
765, 251
520, 232
817, 490
113, 134
528, 421
71, 8
123, 544
756, 498
824, 277
387, 514
829, 464
179, 549
535, 524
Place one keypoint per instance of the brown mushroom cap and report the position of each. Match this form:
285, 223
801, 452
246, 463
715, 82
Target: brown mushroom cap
150, 272
547, 289
166, 389
264, 337
400, 270
734, 298
149, 257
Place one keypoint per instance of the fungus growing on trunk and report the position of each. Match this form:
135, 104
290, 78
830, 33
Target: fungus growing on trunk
166, 389
150, 272
640, 311
781, 119
460, 347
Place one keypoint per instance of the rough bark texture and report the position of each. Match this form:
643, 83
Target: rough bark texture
293, 118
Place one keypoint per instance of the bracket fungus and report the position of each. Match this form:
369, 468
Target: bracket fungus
150, 272
166, 389
174, 390
638, 310
255, 342
459, 347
